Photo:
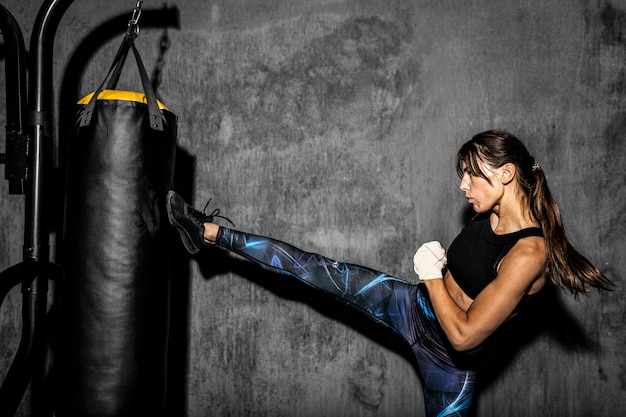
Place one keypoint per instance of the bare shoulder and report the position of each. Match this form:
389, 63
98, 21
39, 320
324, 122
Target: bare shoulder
532, 247
526, 261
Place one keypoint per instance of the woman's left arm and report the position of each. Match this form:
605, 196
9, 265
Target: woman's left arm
522, 266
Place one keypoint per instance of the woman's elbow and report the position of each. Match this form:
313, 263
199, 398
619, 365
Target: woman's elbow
462, 343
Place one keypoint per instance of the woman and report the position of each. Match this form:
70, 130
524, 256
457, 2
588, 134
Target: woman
514, 246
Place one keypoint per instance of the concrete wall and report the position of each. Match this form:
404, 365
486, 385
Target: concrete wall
333, 125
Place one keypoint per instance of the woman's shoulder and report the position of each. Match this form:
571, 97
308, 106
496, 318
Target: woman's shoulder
528, 252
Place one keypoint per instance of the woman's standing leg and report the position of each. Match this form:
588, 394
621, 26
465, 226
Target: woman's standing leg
448, 377
447, 392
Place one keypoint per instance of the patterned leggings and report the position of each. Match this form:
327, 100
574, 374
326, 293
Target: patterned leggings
398, 304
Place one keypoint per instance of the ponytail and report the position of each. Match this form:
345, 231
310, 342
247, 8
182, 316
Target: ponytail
566, 267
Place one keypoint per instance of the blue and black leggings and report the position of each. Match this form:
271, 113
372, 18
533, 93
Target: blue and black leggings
398, 304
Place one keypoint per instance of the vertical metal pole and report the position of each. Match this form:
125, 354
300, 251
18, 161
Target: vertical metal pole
40, 124
36, 245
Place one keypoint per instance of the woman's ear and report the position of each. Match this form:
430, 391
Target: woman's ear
507, 173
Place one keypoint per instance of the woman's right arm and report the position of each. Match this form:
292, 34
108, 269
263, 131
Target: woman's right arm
524, 264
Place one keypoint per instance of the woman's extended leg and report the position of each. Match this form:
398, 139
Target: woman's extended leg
386, 299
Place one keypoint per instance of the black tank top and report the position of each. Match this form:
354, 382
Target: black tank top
474, 255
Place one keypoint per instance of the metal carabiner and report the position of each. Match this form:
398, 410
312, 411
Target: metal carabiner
133, 24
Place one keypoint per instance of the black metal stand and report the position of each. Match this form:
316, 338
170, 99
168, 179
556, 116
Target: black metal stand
28, 164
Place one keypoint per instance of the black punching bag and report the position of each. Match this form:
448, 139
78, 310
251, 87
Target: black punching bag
115, 296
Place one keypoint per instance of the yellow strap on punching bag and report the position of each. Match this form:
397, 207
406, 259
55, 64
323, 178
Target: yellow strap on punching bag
121, 95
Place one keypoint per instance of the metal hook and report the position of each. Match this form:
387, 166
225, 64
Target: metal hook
133, 24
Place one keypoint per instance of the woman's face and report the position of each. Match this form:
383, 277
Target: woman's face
483, 194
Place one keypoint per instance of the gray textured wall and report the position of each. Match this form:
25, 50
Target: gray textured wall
333, 125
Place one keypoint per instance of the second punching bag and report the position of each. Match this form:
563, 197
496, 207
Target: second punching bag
115, 297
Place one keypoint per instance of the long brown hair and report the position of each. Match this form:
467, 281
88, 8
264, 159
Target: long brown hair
566, 268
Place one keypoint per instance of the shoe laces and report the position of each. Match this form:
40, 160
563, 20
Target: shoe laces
204, 217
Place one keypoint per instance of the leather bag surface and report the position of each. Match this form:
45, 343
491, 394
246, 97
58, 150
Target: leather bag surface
115, 297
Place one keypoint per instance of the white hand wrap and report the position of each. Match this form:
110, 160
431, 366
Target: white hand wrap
429, 261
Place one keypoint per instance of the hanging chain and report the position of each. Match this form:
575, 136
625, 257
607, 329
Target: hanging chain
133, 24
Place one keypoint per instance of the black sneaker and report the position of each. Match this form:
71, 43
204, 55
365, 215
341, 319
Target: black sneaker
188, 221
